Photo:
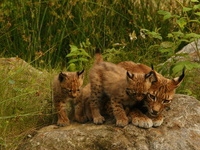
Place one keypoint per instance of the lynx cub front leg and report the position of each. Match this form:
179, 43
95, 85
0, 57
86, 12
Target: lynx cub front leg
139, 119
94, 105
119, 113
97, 118
80, 115
63, 120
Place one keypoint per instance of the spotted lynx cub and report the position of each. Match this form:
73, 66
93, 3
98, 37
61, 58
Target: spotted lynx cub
159, 97
122, 87
66, 87
82, 106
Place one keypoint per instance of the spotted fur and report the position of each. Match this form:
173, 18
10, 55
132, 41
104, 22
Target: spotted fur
66, 87
159, 97
82, 106
120, 86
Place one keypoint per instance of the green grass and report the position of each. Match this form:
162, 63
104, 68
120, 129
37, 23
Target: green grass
25, 101
44, 29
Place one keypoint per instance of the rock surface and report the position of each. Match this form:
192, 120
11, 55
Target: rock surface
180, 131
191, 51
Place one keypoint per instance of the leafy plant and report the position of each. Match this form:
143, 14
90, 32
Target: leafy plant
186, 31
78, 56
186, 25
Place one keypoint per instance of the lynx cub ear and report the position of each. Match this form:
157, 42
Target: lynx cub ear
129, 75
177, 81
61, 76
151, 76
80, 73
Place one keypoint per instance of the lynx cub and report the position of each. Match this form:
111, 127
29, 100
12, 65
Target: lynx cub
122, 87
158, 98
66, 87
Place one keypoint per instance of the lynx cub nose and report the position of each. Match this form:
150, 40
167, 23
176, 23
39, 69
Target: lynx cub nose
139, 97
154, 112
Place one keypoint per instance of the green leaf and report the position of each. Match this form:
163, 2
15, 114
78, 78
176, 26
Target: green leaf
167, 17
71, 67
194, 1
186, 9
178, 34
73, 48
188, 64
78, 60
184, 40
170, 35
83, 53
73, 60
196, 65
167, 44
197, 13
11, 81
162, 12
166, 14
72, 54
166, 50
88, 42
196, 7
156, 35
177, 68
192, 35
182, 22
78, 52
197, 21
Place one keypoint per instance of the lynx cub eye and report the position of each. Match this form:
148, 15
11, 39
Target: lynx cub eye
152, 97
143, 95
130, 90
66, 90
166, 101
78, 90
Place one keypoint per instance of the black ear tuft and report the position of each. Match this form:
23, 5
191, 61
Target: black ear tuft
182, 76
179, 79
152, 67
130, 75
80, 72
61, 76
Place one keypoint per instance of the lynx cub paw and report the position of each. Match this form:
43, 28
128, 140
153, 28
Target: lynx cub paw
157, 121
142, 122
122, 122
63, 122
81, 119
99, 120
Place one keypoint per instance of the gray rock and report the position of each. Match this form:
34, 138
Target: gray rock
191, 51
180, 131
